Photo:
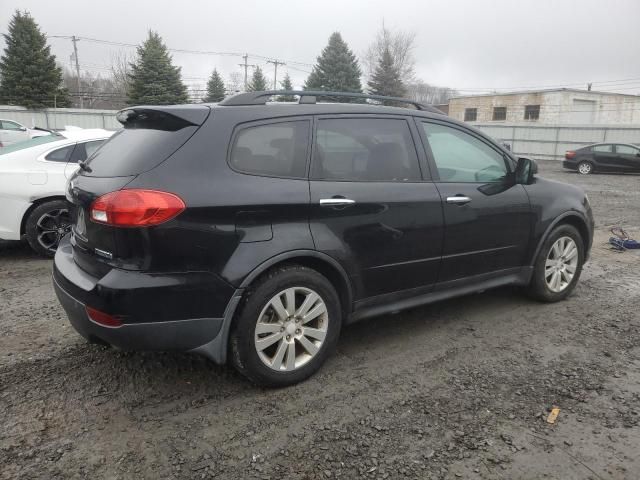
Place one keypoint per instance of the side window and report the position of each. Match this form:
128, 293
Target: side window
627, 150
84, 150
274, 149
365, 150
60, 154
7, 125
602, 148
461, 157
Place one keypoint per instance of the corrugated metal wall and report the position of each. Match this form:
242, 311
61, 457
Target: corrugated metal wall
58, 118
537, 141
549, 142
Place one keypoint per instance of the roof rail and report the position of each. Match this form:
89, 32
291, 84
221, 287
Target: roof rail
309, 96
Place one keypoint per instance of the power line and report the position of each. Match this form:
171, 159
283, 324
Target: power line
275, 72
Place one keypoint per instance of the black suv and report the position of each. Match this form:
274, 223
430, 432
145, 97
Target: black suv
255, 230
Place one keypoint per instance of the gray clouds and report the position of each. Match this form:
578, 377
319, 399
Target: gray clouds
463, 44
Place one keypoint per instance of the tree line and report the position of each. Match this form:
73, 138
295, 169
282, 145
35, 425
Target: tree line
30, 76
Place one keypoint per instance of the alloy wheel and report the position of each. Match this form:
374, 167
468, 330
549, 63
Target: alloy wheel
51, 227
584, 168
291, 329
561, 264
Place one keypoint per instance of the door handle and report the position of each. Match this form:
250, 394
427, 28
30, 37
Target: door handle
336, 202
458, 200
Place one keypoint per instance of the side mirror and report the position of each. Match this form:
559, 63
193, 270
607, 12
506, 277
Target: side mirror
23, 129
526, 168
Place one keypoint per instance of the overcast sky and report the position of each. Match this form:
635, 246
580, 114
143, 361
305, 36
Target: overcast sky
464, 44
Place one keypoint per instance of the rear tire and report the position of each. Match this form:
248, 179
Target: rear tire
46, 225
287, 327
585, 168
558, 266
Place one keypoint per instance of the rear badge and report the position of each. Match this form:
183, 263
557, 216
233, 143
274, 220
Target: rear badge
103, 253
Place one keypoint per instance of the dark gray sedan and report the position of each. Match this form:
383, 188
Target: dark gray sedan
604, 157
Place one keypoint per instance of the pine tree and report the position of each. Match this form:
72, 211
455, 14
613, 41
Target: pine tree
258, 82
153, 79
386, 79
286, 85
336, 70
215, 88
29, 75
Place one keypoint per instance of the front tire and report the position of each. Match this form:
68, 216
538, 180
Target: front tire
558, 265
46, 225
585, 168
287, 327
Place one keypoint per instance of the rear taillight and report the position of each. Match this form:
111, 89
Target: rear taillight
136, 208
102, 318
569, 154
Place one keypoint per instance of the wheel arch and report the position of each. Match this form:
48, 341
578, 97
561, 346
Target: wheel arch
320, 262
568, 218
35, 204
218, 348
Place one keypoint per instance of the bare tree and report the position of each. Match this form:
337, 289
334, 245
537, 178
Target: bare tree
235, 83
424, 93
400, 44
196, 92
120, 69
96, 91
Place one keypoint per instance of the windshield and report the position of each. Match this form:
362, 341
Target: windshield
33, 142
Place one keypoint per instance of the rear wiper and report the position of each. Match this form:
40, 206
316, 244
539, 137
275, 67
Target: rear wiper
84, 166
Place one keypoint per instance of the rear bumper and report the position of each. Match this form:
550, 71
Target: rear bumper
569, 165
126, 294
171, 335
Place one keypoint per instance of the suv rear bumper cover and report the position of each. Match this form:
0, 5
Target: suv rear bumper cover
75, 289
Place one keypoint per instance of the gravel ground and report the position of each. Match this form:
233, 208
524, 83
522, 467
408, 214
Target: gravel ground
459, 389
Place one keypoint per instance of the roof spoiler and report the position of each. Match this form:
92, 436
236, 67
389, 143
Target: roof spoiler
180, 114
310, 97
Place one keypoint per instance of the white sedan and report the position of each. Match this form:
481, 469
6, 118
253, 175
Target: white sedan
33, 178
13, 132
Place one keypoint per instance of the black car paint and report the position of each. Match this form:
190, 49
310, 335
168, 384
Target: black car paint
604, 161
400, 245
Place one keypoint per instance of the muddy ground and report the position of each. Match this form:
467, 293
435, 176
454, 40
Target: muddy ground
459, 389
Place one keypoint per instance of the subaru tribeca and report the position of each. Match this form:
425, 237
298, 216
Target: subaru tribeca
252, 231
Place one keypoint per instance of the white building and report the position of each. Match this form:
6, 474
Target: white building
560, 106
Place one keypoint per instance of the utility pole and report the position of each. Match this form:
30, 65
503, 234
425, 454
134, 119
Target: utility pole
246, 66
75, 54
275, 72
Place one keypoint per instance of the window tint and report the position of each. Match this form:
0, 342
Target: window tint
499, 113
84, 150
626, 150
602, 148
7, 125
60, 154
470, 114
460, 157
365, 150
532, 112
275, 149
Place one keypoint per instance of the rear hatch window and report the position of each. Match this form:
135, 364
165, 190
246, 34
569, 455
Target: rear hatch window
148, 138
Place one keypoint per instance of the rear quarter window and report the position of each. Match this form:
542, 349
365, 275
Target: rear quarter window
277, 149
